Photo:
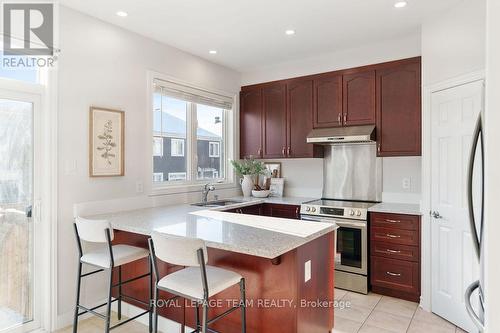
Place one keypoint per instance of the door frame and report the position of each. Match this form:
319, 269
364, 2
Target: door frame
45, 197
428, 90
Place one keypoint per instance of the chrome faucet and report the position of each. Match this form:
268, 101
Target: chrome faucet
204, 193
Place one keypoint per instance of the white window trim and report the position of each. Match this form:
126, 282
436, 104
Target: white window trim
160, 139
215, 144
183, 149
158, 174
231, 147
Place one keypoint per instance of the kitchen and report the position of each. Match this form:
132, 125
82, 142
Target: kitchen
350, 123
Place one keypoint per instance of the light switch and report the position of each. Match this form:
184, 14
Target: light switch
307, 271
406, 183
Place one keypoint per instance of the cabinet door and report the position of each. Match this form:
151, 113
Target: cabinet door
359, 98
399, 110
328, 101
284, 211
300, 114
274, 108
251, 122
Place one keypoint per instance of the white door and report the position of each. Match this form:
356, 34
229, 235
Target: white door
19, 213
454, 263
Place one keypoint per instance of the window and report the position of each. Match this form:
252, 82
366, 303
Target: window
157, 176
177, 147
158, 146
213, 149
195, 122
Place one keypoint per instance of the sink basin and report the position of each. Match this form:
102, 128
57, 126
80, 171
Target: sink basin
216, 203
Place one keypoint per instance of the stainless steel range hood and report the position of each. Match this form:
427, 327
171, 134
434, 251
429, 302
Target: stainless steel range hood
338, 135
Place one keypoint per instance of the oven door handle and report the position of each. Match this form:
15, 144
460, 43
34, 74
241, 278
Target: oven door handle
350, 224
331, 220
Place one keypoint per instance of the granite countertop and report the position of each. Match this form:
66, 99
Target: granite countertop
396, 208
262, 236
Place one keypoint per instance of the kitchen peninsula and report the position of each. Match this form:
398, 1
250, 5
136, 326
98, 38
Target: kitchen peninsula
287, 263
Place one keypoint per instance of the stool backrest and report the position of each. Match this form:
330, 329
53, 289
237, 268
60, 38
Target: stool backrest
177, 250
93, 230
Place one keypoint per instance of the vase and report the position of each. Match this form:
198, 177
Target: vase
246, 185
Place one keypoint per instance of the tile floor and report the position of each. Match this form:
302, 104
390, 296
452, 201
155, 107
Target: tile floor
370, 313
374, 313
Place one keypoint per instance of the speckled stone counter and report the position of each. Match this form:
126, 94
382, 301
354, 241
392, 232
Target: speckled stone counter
255, 239
396, 208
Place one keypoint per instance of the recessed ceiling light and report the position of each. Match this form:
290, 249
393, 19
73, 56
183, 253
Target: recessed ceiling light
212, 51
400, 4
290, 32
121, 13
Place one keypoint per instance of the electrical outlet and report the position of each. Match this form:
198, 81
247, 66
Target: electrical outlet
139, 187
307, 271
406, 183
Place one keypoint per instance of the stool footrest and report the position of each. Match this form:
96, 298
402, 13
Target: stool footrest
126, 297
130, 319
93, 272
222, 315
131, 280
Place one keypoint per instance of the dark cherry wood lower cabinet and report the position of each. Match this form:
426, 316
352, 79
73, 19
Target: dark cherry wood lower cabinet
279, 210
269, 289
395, 255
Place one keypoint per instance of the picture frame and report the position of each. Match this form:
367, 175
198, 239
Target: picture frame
273, 167
106, 142
277, 186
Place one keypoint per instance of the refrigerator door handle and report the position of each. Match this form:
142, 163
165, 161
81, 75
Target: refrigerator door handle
475, 139
475, 318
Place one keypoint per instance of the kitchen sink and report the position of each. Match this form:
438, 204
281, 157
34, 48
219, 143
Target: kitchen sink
216, 203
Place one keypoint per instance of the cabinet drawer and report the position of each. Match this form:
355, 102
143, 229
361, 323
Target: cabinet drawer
399, 221
395, 251
395, 274
394, 236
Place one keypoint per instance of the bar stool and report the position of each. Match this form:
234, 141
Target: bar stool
107, 258
197, 282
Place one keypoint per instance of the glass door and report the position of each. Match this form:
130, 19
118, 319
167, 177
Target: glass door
17, 216
351, 247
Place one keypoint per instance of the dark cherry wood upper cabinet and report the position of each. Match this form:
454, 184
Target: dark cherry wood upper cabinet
359, 98
399, 109
299, 118
328, 101
274, 120
251, 122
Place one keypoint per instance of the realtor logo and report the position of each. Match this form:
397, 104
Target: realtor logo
28, 29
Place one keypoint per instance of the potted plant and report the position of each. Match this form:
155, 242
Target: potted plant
246, 169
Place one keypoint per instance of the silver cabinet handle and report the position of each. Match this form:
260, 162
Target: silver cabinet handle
345, 118
392, 236
283, 151
475, 318
378, 148
339, 119
393, 274
392, 221
393, 251
288, 151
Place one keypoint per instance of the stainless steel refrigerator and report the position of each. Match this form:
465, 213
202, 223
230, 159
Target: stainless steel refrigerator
475, 195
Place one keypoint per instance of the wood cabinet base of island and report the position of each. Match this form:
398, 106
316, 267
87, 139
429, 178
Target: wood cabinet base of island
279, 299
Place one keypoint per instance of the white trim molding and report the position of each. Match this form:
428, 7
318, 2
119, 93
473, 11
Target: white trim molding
426, 287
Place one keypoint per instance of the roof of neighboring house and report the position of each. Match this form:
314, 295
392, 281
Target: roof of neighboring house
174, 126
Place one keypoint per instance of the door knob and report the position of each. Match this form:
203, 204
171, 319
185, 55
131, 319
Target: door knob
436, 215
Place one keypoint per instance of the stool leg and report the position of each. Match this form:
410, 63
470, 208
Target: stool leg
204, 316
119, 292
77, 309
197, 316
243, 306
155, 310
108, 308
150, 296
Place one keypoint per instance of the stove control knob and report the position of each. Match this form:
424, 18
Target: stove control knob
358, 213
351, 212
313, 209
308, 209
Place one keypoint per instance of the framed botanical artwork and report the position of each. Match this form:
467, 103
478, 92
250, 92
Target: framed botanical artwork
106, 142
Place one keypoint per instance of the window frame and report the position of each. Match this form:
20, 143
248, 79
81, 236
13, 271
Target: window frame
230, 146
160, 139
215, 144
183, 147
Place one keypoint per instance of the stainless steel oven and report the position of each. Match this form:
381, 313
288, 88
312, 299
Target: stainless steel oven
351, 252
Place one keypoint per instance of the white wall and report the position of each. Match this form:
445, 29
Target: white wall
103, 65
492, 165
453, 42
381, 51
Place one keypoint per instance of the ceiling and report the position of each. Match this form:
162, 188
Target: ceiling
250, 34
